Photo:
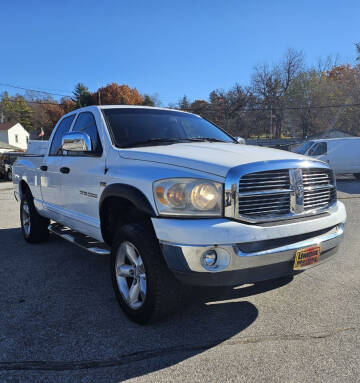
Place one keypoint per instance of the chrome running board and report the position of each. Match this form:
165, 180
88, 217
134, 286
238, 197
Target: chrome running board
84, 241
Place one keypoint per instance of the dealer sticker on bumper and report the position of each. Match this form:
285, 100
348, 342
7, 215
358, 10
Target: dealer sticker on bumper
306, 257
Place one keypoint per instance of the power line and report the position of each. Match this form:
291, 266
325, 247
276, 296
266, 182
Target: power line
38, 102
33, 90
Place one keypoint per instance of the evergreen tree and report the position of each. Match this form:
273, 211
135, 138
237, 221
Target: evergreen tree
15, 109
148, 101
184, 103
82, 96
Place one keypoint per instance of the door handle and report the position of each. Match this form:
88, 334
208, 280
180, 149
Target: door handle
65, 170
44, 168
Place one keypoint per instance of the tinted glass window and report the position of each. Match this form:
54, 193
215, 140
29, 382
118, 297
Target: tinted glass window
318, 149
304, 147
62, 129
136, 126
85, 123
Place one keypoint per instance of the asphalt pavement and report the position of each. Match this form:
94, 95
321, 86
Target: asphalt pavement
60, 321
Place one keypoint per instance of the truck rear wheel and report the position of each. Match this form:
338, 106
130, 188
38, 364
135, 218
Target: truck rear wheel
34, 227
144, 287
357, 175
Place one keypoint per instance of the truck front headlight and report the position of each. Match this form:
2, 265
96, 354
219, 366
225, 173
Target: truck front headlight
188, 197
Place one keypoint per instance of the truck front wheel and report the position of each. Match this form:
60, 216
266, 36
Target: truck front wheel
34, 227
144, 287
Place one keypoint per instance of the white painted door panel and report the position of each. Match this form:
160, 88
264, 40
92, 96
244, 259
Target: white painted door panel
81, 192
51, 183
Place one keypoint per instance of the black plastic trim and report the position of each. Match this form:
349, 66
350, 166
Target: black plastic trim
130, 193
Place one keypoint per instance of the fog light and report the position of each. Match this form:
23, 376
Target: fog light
209, 258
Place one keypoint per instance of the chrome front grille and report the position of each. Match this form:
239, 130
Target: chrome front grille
259, 205
318, 188
260, 181
256, 193
280, 193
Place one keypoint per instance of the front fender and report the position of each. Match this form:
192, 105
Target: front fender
130, 193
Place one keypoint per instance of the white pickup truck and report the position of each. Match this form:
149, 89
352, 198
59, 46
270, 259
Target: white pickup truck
175, 200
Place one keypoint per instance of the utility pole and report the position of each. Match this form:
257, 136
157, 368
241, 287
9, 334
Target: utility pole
271, 129
99, 93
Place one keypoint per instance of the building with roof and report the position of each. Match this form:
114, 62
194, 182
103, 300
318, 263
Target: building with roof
14, 134
5, 148
330, 133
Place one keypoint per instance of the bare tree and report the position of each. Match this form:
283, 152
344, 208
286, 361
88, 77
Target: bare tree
271, 84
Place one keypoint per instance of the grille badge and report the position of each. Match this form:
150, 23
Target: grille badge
297, 191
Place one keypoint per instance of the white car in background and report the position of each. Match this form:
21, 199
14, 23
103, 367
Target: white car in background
342, 154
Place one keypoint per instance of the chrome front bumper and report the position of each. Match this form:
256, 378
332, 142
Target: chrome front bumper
236, 266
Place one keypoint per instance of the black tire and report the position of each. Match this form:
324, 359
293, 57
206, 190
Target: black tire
163, 291
9, 175
38, 227
357, 175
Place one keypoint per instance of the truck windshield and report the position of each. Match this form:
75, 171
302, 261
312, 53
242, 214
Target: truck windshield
302, 149
147, 127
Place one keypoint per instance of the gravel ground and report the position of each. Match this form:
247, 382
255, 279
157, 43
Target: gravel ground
60, 321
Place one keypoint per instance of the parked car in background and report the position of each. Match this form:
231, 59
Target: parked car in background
342, 154
6, 163
173, 199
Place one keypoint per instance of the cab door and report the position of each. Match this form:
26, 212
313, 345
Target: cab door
82, 177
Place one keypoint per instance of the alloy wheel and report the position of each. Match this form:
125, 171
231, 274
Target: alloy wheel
25, 217
130, 275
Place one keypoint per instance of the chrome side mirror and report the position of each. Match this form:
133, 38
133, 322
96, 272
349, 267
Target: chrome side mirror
76, 142
240, 140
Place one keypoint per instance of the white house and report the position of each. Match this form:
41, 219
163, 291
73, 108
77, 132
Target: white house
13, 133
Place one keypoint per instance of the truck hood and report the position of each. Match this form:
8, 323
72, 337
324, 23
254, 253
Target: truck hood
215, 158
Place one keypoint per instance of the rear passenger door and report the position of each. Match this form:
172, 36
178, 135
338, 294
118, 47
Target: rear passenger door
50, 176
81, 187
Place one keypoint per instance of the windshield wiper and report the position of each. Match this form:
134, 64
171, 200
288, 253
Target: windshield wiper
153, 141
204, 139
169, 141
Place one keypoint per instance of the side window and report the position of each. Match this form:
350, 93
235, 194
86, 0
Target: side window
318, 149
62, 129
85, 123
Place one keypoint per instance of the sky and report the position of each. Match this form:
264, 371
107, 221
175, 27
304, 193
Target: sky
171, 48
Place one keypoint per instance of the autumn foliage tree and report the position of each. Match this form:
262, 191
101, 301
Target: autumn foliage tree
47, 112
115, 94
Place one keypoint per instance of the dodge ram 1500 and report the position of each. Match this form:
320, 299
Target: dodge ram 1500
174, 199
